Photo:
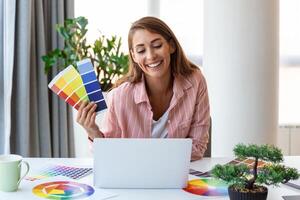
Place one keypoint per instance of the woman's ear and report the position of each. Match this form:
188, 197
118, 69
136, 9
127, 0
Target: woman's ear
172, 46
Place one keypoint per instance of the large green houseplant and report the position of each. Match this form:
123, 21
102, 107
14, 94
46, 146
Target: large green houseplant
245, 183
110, 63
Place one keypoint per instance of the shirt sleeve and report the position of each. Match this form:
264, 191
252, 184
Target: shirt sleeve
201, 122
110, 127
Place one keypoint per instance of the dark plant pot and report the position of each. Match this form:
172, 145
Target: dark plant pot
240, 195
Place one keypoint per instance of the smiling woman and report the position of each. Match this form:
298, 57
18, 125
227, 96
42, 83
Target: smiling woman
163, 95
152, 53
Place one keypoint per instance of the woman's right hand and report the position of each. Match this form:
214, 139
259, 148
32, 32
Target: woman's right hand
86, 118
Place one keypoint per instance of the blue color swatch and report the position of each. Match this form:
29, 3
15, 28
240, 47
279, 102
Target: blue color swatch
91, 83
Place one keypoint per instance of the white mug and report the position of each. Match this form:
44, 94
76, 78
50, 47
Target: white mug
10, 172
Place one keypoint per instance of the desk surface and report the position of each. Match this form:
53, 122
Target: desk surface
205, 164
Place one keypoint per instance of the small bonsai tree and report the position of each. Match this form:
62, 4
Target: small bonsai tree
244, 179
110, 63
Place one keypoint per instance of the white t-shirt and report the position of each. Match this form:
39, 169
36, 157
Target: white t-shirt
159, 127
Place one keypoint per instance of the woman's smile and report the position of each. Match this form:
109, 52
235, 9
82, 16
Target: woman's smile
154, 65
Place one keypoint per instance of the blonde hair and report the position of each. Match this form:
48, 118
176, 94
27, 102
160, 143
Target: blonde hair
179, 63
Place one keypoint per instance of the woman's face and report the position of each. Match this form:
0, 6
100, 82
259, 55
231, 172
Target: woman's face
152, 53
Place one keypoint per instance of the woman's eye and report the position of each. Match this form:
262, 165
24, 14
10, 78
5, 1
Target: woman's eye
140, 51
157, 46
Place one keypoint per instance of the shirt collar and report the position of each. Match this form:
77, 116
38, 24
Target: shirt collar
180, 84
140, 93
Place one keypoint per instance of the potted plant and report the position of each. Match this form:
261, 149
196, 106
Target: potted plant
109, 62
247, 183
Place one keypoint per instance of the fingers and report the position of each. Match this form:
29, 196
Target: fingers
81, 107
86, 117
93, 118
88, 120
85, 112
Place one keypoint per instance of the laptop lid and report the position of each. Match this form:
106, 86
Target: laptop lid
141, 163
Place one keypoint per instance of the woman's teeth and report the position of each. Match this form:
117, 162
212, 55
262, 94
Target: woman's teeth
154, 64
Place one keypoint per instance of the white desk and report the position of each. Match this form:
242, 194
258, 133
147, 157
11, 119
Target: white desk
149, 194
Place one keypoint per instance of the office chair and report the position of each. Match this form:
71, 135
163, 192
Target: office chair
207, 153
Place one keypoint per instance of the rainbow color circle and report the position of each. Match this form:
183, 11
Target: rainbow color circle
207, 187
65, 190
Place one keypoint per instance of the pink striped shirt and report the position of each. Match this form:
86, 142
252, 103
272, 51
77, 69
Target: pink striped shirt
129, 112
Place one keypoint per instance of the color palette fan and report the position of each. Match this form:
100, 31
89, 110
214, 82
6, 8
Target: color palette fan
63, 190
76, 87
207, 187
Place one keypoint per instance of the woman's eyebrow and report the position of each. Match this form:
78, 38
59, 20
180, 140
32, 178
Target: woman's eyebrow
139, 45
156, 39
152, 41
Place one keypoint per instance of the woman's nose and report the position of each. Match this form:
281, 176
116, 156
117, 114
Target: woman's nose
150, 54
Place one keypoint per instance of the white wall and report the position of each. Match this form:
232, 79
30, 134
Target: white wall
241, 54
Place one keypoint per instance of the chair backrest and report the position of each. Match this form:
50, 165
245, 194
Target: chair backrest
207, 153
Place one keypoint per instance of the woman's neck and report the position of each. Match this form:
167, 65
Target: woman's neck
160, 92
159, 86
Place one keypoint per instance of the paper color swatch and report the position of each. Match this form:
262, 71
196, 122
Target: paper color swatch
91, 83
75, 88
249, 162
60, 170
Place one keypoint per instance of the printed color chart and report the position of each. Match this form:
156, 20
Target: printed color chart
60, 170
248, 161
75, 88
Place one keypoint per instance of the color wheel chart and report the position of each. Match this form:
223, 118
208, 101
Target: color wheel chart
207, 187
74, 87
63, 190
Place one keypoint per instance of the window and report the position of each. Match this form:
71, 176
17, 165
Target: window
289, 75
290, 32
114, 17
110, 17
188, 27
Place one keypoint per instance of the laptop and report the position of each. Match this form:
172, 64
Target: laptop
141, 163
